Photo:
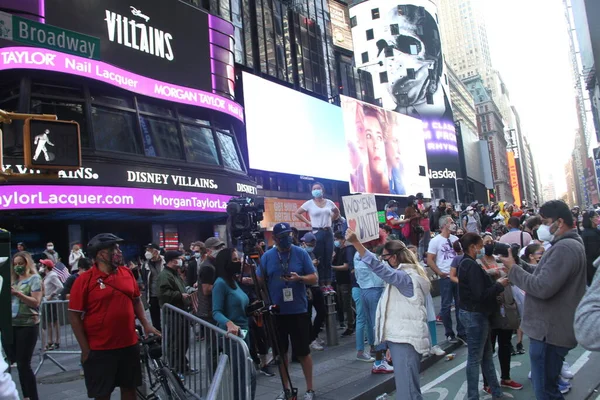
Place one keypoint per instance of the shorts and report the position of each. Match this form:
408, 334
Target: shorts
105, 370
296, 327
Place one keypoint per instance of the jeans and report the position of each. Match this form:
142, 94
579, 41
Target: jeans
344, 292
324, 253
423, 245
407, 363
546, 365
21, 351
479, 353
318, 302
449, 291
370, 299
362, 327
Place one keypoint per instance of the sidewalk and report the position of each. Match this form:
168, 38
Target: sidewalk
337, 375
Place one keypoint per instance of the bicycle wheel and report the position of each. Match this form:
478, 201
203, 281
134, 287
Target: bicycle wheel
175, 387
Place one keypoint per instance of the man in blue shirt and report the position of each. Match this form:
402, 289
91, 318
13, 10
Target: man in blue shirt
287, 269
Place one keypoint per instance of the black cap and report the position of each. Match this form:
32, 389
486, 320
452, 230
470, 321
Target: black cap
172, 254
420, 196
392, 203
153, 246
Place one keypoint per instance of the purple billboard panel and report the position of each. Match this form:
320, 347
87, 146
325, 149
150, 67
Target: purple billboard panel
37, 197
48, 60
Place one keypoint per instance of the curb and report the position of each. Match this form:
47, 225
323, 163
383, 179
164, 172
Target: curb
370, 387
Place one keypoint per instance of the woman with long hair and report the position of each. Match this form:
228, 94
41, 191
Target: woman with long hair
26, 290
477, 294
401, 319
229, 310
322, 212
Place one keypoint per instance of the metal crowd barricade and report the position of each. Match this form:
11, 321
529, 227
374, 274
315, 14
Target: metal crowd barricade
220, 388
56, 337
195, 357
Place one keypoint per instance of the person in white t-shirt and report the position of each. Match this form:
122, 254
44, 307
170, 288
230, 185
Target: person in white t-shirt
321, 212
439, 258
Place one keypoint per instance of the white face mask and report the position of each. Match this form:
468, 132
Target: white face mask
544, 234
148, 255
215, 252
50, 247
179, 262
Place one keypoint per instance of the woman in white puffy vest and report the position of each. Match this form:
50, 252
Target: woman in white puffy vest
401, 315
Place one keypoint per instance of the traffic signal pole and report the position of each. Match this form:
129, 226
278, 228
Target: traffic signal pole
7, 117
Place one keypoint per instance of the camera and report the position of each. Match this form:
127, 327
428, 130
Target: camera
506, 250
245, 214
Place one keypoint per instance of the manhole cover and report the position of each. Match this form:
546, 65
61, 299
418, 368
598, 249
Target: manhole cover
61, 377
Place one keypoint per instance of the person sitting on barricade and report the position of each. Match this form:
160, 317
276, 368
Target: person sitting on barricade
103, 306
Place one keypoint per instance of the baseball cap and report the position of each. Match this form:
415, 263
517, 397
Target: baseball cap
392, 203
280, 228
47, 263
213, 242
153, 246
309, 238
469, 208
172, 254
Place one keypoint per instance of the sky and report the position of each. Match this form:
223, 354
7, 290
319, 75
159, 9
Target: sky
529, 45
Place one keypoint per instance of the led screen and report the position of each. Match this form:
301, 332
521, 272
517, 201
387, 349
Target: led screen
386, 150
293, 133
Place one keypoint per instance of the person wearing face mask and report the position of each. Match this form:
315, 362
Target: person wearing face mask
393, 220
554, 288
26, 291
515, 235
229, 310
321, 213
591, 241
318, 300
287, 269
477, 294
50, 253
439, 258
75, 256
343, 265
52, 288
470, 223
171, 290
152, 267
104, 303
401, 318
198, 252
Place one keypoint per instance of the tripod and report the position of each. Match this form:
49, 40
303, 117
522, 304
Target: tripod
267, 312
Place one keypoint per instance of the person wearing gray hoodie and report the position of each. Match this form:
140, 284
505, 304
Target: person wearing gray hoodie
554, 288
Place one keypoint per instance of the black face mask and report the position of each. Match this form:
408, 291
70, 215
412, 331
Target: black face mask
489, 250
233, 268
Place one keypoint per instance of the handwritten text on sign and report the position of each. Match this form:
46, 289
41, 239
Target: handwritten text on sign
361, 213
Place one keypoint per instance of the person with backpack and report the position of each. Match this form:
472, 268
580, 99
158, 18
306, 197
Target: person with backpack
104, 303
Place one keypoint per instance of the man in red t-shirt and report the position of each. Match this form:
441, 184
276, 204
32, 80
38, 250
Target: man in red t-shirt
103, 306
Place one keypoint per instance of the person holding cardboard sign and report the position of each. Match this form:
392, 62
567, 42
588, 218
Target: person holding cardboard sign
401, 315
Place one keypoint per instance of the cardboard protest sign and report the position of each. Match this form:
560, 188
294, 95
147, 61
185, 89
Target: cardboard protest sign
361, 214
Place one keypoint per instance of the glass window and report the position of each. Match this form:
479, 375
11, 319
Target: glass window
114, 130
199, 144
375, 13
160, 137
229, 152
65, 110
154, 108
370, 34
383, 77
111, 98
54, 89
353, 22
365, 57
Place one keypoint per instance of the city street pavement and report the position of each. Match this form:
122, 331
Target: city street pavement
447, 379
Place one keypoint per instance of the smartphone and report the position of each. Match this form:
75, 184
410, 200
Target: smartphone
286, 276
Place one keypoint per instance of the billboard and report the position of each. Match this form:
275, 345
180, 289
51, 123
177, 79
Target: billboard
293, 131
282, 210
591, 182
386, 150
399, 44
340, 25
514, 177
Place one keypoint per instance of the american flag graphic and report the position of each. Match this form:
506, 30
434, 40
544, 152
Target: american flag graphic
62, 272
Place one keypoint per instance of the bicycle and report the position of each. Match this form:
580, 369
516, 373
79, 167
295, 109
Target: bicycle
159, 379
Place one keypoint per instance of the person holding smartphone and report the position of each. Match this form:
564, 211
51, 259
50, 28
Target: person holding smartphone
229, 303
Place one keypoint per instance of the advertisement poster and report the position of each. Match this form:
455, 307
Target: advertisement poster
399, 44
362, 217
340, 25
386, 150
514, 177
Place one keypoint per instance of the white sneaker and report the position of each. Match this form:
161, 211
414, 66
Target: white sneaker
382, 368
566, 372
310, 395
316, 346
320, 341
437, 351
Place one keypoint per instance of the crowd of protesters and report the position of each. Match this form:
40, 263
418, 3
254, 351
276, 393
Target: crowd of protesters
382, 290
